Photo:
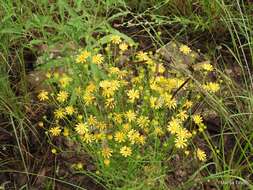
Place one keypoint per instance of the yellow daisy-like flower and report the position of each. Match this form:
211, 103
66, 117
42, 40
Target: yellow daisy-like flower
183, 133
180, 143
115, 39
43, 95
142, 56
83, 57
126, 151
119, 137
201, 155
156, 103
211, 87
59, 113
187, 104
110, 103
174, 126
98, 59
118, 118
140, 139
109, 87
55, 131
101, 125
89, 99
69, 110
130, 116
90, 88
62, 96
123, 46
169, 102
92, 120
182, 116
88, 138
107, 152
143, 121
197, 119
126, 127
133, 135
185, 49
81, 128
133, 95
207, 67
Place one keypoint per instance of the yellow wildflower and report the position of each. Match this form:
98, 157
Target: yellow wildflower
197, 119
201, 155
59, 113
207, 67
81, 128
126, 151
142, 56
123, 46
133, 135
133, 95
130, 115
169, 102
174, 126
118, 118
185, 49
83, 56
97, 59
62, 96
88, 138
183, 133
92, 120
211, 87
109, 103
187, 104
187, 152
89, 99
43, 95
126, 127
55, 131
119, 137
69, 110
106, 152
180, 142
143, 121
101, 125
90, 88
115, 39
140, 139
109, 87
155, 102
182, 116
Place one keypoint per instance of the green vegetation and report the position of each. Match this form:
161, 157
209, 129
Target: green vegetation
119, 94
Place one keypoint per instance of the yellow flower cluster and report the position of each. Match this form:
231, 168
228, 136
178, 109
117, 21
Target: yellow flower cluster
121, 109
